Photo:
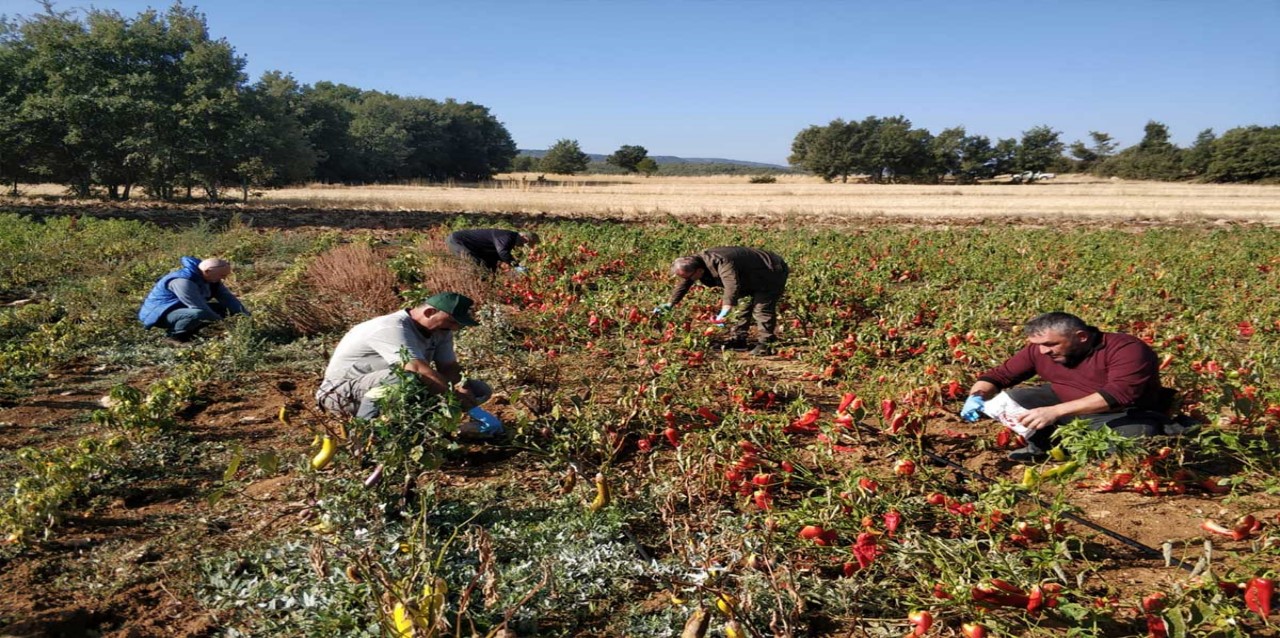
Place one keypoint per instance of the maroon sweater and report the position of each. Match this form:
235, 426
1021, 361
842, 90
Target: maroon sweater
1120, 367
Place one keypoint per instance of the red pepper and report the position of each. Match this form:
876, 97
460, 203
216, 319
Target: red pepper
953, 390
673, 436
707, 414
940, 591
1247, 525
1152, 603
763, 500
1003, 438
1211, 486
892, 519
1156, 627
895, 425
1212, 526
808, 418
987, 595
1036, 600
762, 479
1117, 481
1258, 594
920, 621
887, 407
845, 401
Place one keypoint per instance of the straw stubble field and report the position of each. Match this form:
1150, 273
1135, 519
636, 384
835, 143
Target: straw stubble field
810, 199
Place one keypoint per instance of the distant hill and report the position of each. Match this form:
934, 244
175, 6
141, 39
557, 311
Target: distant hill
670, 159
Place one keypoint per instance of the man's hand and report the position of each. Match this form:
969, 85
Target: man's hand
972, 408
724, 314
521, 269
465, 396
1037, 418
662, 309
489, 424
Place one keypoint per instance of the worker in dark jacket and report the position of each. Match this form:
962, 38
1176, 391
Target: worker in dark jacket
489, 246
742, 272
190, 298
1107, 378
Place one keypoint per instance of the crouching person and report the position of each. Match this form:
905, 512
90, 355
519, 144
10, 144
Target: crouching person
360, 369
190, 298
1109, 379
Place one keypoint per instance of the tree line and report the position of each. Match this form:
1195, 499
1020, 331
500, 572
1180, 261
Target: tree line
891, 149
115, 103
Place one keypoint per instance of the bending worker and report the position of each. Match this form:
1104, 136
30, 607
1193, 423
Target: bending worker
360, 369
488, 246
742, 272
1106, 378
190, 298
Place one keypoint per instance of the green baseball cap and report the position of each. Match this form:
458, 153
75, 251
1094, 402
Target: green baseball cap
456, 305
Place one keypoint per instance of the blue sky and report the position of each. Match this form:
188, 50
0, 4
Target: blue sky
738, 79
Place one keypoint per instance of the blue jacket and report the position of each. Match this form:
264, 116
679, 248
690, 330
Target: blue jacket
161, 300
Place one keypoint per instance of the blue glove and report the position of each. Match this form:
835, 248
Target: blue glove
722, 316
661, 309
971, 407
521, 269
489, 424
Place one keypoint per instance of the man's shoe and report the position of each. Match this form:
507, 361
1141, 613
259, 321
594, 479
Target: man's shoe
762, 350
734, 344
1028, 455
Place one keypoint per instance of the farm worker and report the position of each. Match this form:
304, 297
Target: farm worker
1105, 378
360, 369
190, 298
742, 272
488, 246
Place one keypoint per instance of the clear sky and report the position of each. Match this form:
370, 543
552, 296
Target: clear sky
738, 79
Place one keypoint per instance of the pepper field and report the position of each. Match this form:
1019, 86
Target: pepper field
828, 490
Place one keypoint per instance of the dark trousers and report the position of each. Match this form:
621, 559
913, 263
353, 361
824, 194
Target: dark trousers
183, 323
763, 308
462, 251
1132, 422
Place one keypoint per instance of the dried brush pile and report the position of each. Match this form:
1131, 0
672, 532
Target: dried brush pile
341, 288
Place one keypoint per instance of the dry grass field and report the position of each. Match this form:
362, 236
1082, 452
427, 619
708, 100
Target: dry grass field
798, 198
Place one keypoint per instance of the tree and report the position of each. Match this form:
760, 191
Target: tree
326, 111
1089, 156
565, 157
1039, 149
826, 151
947, 152
379, 136
524, 164
1196, 159
896, 150
1155, 157
1246, 154
647, 166
271, 147
628, 158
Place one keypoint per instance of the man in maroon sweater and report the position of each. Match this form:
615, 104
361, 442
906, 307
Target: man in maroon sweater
1106, 378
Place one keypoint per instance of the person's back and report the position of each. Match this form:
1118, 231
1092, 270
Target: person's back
754, 267
485, 246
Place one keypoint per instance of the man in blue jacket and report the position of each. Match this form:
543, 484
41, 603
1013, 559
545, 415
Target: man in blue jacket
190, 298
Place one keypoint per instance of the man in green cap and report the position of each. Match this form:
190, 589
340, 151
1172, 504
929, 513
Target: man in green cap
361, 363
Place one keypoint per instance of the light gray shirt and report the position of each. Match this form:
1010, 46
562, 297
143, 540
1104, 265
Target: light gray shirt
375, 345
